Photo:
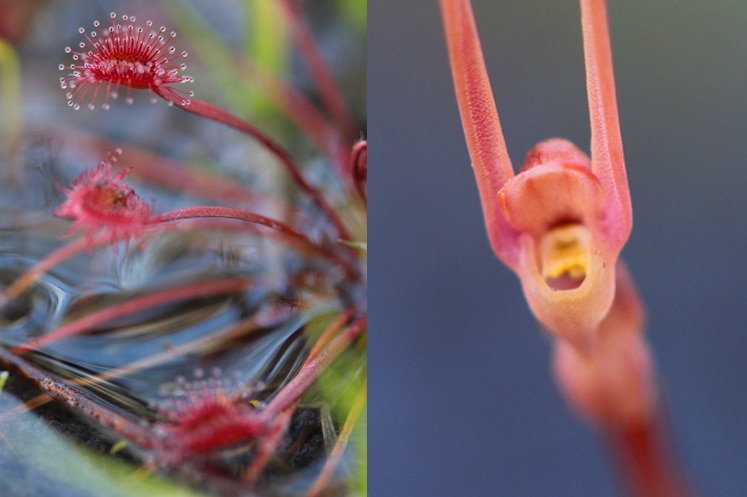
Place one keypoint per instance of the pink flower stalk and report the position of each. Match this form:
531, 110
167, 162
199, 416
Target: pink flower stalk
616, 389
616, 385
561, 222
100, 203
124, 55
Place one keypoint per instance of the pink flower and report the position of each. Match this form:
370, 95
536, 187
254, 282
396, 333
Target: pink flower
561, 222
124, 55
100, 204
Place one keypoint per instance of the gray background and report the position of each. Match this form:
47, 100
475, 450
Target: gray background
461, 399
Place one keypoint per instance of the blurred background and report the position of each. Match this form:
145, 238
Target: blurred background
461, 398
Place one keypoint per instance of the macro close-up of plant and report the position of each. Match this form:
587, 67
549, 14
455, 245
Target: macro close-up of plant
560, 224
559, 210
183, 263
592, 343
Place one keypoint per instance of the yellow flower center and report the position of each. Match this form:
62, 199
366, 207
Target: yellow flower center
565, 256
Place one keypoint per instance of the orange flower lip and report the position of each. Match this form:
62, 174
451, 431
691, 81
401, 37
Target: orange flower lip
124, 55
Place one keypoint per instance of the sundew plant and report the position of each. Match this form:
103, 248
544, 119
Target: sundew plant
183, 253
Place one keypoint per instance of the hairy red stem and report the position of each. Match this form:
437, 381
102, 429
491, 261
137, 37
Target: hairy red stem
252, 217
311, 370
208, 111
301, 111
482, 127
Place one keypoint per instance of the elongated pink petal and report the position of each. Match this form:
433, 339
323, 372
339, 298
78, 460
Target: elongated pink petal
607, 160
482, 129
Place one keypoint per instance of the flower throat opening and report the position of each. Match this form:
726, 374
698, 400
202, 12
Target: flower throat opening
565, 256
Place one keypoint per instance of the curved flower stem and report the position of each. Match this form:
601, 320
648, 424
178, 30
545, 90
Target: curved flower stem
208, 111
482, 127
202, 211
330, 92
175, 175
333, 460
645, 461
252, 217
311, 370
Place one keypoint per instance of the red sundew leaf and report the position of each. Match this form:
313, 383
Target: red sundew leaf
99, 202
210, 415
124, 55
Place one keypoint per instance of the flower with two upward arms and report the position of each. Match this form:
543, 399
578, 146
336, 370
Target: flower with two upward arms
561, 222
